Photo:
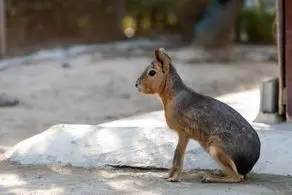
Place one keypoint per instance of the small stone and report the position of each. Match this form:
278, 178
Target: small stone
66, 65
6, 101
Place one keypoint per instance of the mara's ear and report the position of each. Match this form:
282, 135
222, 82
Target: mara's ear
163, 58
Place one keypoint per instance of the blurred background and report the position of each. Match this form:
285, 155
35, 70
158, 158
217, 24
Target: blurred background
77, 61
38, 24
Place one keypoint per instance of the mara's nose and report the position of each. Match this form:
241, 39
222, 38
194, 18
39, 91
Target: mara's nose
137, 83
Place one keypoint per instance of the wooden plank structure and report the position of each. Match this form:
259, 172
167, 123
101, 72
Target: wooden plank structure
284, 39
286, 34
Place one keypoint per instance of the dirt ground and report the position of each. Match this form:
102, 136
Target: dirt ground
52, 180
91, 91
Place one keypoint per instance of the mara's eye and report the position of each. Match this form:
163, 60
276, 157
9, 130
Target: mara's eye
151, 73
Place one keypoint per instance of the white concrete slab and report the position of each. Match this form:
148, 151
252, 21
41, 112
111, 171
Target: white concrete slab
146, 142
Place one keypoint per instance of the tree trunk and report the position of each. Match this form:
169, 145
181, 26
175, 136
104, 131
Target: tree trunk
119, 11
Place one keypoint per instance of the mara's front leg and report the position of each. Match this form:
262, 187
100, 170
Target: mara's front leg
178, 158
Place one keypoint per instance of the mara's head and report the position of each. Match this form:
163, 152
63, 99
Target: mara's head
153, 78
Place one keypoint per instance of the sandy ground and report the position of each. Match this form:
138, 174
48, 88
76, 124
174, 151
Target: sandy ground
28, 180
91, 91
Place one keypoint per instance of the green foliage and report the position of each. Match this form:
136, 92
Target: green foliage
258, 24
56, 22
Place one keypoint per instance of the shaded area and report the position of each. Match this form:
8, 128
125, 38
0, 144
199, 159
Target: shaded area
6, 101
17, 179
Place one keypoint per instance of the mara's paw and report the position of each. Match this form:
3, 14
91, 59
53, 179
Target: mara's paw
172, 176
170, 173
212, 179
174, 179
166, 176
206, 179
218, 172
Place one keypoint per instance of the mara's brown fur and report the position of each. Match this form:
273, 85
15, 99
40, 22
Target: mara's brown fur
221, 131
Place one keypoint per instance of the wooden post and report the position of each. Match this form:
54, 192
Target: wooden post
287, 39
280, 55
119, 9
2, 30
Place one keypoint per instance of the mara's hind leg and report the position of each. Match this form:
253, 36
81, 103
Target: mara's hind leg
228, 166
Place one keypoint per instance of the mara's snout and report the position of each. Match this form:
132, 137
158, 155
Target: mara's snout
139, 86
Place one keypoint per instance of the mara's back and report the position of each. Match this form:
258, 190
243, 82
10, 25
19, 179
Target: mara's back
215, 119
